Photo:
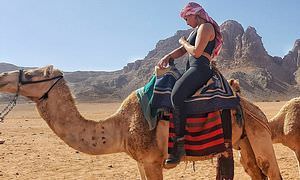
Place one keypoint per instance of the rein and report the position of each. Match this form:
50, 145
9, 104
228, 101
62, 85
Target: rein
13, 102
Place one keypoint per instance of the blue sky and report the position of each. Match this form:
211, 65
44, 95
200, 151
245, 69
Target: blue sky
106, 35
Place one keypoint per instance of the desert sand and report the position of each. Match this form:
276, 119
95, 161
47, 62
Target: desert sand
32, 151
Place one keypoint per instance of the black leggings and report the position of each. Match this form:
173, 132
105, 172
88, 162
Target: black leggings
192, 80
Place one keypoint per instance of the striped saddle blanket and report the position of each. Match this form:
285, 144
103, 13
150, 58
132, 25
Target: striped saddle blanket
215, 95
204, 135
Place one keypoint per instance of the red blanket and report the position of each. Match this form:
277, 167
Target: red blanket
204, 135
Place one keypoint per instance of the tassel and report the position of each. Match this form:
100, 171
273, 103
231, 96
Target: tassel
225, 168
225, 162
194, 166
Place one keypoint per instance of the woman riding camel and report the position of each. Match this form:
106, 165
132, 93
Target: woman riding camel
203, 44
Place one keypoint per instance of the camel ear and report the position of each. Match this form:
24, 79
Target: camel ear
48, 70
236, 82
231, 81
235, 85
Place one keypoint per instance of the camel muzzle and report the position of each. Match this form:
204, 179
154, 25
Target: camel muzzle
21, 82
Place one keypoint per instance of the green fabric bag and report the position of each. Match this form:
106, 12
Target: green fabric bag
145, 95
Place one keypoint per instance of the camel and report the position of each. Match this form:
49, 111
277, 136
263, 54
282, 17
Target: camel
285, 125
126, 130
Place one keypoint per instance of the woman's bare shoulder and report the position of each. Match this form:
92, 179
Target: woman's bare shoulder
207, 29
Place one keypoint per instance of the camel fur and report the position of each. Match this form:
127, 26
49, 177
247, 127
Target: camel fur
284, 126
127, 131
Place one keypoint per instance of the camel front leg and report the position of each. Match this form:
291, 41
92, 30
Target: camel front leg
153, 170
248, 160
142, 171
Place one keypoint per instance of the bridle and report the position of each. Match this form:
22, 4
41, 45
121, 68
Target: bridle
22, 82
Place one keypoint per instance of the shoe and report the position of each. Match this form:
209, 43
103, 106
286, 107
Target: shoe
177, 153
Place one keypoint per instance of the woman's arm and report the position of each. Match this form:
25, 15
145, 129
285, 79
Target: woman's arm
176, 53
205, 33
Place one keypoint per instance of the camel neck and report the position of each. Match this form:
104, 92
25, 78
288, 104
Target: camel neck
88, 136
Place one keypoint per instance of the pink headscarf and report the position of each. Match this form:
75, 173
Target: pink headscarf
193, 8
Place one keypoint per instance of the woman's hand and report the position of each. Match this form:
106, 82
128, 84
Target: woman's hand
182, 40
163, 62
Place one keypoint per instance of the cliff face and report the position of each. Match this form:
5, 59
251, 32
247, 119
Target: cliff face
292, 61
243, 57
7, 67
262, 76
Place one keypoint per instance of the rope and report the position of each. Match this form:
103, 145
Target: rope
10, 105
265, 125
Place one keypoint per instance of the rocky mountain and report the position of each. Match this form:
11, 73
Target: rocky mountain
261, 76
243, 57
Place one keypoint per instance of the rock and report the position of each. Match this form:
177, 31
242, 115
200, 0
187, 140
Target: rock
2, 141
232, 32
296, 45
291, 61
252, 46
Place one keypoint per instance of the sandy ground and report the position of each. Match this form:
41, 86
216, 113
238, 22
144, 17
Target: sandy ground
32, 151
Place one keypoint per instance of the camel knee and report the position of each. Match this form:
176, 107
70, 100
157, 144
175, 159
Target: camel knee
263, 164
246, 164
252, 169
269, 168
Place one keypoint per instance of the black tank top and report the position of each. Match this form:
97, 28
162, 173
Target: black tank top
208, 49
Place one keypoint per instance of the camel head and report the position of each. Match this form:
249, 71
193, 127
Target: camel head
32, 83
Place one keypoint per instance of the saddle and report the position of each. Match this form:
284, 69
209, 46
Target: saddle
155, 96
208, 122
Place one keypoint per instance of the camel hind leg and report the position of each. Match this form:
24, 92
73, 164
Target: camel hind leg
248, 160
261, 143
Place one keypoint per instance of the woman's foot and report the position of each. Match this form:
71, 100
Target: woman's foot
177, 153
